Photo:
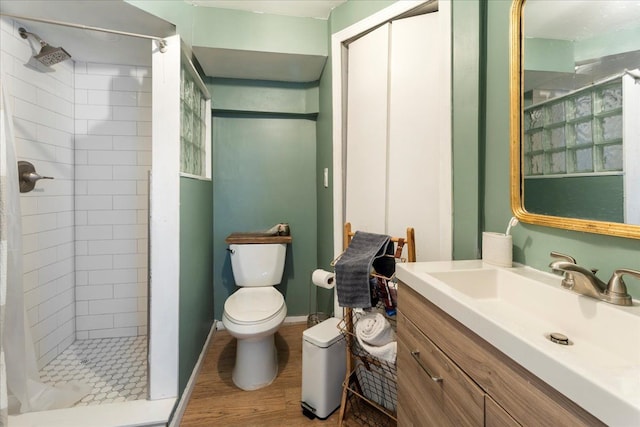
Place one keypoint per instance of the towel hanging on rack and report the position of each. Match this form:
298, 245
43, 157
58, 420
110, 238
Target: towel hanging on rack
354, 267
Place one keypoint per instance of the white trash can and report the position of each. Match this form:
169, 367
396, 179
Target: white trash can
323, 368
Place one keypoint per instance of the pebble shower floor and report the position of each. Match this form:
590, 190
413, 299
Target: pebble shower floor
115, 368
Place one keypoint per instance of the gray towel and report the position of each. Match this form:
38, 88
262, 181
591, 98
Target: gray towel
354, 267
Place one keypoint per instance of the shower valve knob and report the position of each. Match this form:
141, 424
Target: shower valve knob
28, 176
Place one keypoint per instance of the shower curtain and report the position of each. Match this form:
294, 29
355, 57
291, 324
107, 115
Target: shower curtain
20, 385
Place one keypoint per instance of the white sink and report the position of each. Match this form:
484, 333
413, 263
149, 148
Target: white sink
515, 309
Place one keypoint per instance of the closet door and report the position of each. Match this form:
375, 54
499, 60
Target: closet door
366, 147
415, 139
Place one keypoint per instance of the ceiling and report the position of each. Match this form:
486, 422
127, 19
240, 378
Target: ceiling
301, 8
101, 47
87, 45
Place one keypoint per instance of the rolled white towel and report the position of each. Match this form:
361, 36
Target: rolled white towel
375, 330
375, 335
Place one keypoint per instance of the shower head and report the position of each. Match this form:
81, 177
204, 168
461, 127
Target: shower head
48, 55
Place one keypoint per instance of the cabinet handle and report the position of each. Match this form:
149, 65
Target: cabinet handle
416, 356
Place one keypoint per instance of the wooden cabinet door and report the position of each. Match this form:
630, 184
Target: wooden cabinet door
454, 400
495, 416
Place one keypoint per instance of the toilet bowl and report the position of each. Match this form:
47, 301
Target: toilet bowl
255, 312
253, 316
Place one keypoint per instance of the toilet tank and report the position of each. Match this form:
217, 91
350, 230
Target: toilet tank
257, 264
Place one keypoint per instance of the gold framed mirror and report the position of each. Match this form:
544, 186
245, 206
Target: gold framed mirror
575, 99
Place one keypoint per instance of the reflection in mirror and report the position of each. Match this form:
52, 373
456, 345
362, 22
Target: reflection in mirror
580, 108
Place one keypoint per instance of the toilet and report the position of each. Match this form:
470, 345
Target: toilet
254, 312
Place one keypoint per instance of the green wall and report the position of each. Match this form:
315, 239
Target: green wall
264, 173
532, 244
196, 293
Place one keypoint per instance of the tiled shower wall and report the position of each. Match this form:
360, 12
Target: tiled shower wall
43, 109
113, 157
104, 112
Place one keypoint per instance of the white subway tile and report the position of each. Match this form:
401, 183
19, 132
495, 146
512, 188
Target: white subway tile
51, 306
31, 150
94, 142
65, 251
123, 320
142, 187
99, 127
144, 158
28, 204
143, 71
111, 97
135, 143
48, 204
37, 223
95, 321
110, 69
82, 247
129, 231
119, 217
134, 84
130, 202
114, 332
80, 218
54, 103
112, 187
125, 290
81, 157
91, 232
54, 271
111, 306
130, 172
87, 81
144, 129
65, 155
25, 129
55, 137
23, 90
82, 308
132, 113
81, 127
143, 216
112, 247
130, 261
39, 259
93, 262
100, 277
82, 335
100, 157
94, 172
94, 112
82, 278
93, 202
53, 238
81, 96
65, 219
94, 292
144, 99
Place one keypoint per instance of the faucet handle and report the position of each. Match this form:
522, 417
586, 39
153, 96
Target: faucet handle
616, 288
567, 258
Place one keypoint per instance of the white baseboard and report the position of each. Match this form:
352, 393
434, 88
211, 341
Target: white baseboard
184, 399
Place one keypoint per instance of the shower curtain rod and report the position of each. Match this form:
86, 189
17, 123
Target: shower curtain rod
162, 42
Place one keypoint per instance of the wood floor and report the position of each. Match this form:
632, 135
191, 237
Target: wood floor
216, 401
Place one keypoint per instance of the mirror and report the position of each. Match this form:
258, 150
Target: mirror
575, 114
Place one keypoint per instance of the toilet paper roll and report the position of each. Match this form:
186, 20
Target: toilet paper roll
323, 279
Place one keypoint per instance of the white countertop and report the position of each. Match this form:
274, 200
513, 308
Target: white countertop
600, 371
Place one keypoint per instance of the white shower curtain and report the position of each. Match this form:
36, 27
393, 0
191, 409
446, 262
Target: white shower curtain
22, 390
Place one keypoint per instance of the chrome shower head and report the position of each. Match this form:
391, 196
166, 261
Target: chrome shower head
48, 55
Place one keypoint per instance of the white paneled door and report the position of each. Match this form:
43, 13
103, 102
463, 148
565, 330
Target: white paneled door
398, 161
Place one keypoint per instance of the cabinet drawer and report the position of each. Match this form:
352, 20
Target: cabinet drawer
528, 399
454, 400
495, 416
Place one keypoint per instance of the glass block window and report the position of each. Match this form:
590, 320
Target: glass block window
580, 132
194, 138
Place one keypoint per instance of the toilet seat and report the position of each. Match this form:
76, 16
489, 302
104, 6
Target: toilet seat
254, 305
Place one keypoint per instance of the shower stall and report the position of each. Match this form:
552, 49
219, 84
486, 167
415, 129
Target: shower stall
86, 259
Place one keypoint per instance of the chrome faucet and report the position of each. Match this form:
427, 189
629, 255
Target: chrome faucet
585, 281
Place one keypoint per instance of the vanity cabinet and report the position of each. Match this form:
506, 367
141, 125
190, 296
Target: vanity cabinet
480, 385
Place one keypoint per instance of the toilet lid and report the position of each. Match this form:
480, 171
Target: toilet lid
252, 305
